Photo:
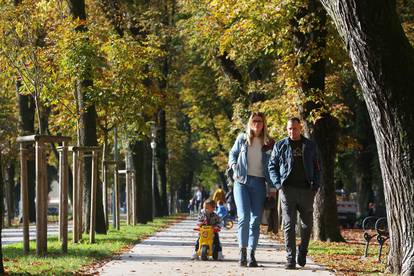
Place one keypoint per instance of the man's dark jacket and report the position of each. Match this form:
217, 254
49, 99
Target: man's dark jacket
281, 163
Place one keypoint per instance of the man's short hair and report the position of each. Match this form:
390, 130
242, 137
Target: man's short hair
293, 119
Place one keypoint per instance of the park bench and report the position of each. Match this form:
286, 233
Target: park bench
375, 227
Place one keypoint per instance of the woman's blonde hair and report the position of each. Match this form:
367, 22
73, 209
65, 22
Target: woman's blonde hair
250, 134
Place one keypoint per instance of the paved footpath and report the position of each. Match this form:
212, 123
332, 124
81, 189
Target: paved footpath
168, 253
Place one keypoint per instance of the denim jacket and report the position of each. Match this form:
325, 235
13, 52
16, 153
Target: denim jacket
281, 163
238, 156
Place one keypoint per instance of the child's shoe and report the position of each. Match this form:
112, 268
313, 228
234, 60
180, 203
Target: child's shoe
220, 256
194, 256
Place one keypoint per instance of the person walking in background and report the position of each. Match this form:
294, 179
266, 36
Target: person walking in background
219, 194
248, 159
294, 170
198, 198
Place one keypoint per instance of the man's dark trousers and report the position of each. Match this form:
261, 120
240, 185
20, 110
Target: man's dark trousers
292, 200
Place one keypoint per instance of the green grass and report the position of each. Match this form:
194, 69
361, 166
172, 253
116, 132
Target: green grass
81, 255
346, 258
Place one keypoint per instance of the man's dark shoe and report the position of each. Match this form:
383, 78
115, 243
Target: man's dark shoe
301, 257
290, 265
252, 260
243, 257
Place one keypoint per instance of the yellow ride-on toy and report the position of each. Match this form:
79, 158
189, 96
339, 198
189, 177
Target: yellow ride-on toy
206, 246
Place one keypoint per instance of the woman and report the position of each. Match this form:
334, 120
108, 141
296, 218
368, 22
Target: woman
248, 158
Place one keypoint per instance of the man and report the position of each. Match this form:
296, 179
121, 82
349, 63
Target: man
294, 170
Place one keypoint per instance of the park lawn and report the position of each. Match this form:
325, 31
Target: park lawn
80, 257
344, 258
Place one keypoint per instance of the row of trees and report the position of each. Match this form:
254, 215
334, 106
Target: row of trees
192, 70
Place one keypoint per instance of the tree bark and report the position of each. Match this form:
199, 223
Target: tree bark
141, 162
324, 130
326, 134
161, 163
384, 63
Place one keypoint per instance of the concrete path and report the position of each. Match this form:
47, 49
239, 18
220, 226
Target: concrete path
168, 253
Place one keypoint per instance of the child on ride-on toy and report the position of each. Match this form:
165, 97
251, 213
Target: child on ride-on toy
226, 220
207, 216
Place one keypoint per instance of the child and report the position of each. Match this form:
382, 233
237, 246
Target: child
208, 217
221, 210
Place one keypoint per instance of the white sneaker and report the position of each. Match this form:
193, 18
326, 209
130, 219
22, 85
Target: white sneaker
220, 256
194, 256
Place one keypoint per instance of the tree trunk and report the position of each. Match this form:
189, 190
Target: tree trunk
324, 130
161, 163
88, 137
26, 127
384, 63
326, 134
141, 162
87, 132
161, 150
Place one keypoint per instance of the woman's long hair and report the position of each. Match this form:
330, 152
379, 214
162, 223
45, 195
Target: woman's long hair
250, 134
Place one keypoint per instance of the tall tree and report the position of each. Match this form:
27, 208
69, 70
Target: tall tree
384, 63
167, 13
87, 122
310, 43
26, 127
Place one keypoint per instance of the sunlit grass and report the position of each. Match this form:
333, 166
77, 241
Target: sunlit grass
346, 258
79, 255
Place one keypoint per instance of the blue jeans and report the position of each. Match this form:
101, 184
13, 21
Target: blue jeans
249, 199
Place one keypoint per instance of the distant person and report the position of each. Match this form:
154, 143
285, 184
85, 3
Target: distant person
294, 170
190, 206
198, 198
207, 216
219, 194
249, 158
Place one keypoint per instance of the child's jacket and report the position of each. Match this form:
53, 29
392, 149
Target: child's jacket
208, 218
